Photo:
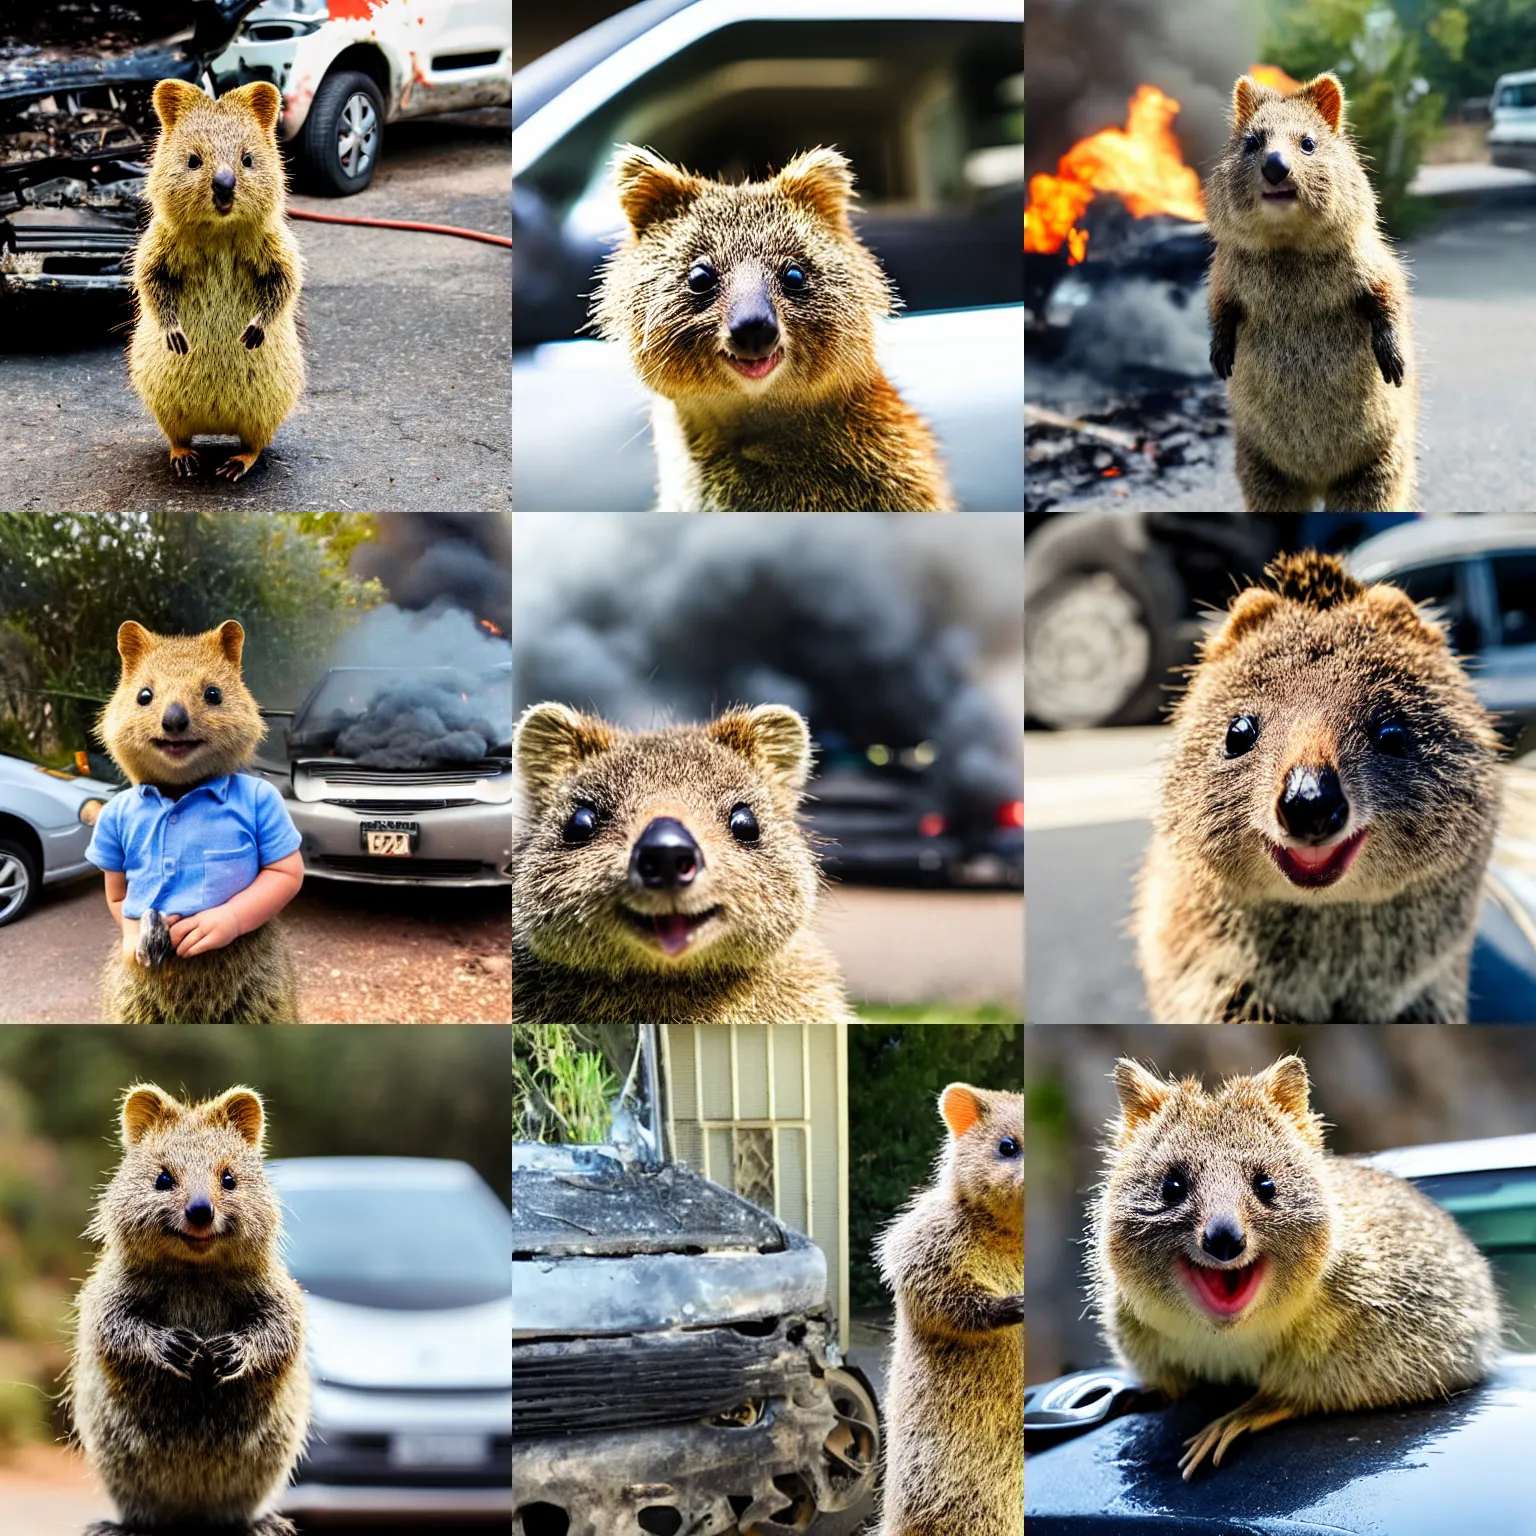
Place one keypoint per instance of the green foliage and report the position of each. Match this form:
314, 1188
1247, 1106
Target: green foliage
937, 1013
68, 580
1470, 45
895, 1075
23, 1414
560, 1085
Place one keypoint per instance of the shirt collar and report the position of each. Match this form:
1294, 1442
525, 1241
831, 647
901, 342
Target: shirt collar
219, 788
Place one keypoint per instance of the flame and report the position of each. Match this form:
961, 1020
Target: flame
1274, 77
486, 624
1140, 161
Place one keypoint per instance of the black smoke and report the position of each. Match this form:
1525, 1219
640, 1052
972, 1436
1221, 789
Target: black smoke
454, 559
881, 630
422, 721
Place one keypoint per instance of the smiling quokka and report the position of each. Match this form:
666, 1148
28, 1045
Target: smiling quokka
1327, 815
1228, 1246
662, 876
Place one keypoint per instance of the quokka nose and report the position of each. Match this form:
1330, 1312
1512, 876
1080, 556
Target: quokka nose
664, 857
1313, 806
199, 1213
1223, 1239
1276, 167
224, 184
175, 717
754, 328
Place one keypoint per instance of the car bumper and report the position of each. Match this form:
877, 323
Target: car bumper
318, 1499
461, 846
1513, 154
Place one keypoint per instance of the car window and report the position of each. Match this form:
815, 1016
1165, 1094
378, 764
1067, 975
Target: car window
1498, 1212
1442, 587
406, 1248
1514, 581
929, 112
1523, 95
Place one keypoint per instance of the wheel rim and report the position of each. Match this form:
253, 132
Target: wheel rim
14, 885
852, 1451
1088, 650
357, 134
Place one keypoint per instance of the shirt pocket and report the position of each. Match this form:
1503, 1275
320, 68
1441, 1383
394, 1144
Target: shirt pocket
227, 872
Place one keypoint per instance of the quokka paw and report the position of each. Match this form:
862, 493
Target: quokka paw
185, 462
253, 335
180, 1351
176, 341
155, 946
228, 1356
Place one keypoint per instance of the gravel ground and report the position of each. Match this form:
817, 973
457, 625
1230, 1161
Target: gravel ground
366, 956
408, 349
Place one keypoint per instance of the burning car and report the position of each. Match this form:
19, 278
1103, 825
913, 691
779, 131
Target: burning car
76, 125
401, 774
674, 1358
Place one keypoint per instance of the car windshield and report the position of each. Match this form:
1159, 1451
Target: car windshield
1498, 1212
406, 1248
397, 717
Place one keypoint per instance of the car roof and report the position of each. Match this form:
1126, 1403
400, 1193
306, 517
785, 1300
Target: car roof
1439, 538
371, 1173
1515, 77
1485, 1155
1441, 1466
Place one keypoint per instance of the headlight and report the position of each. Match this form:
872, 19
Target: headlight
90, 810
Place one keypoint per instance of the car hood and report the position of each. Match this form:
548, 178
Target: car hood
1416, 1471
464, 1347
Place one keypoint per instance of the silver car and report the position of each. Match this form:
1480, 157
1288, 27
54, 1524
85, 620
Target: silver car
405, 1267
46, 816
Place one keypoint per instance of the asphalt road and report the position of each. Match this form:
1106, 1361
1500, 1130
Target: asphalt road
409, 337
366, 955
1474, 287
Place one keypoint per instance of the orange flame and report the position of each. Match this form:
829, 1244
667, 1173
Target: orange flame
486, 624
1274, 77
1140, 161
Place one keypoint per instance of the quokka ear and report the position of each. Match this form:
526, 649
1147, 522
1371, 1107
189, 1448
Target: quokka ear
173, 97
651, 189
261, 99
961, 1106
1288, 1088
552, 741
1250, 608
1247, 96
1142, 1095
133, 640
231, 640
1327, 95
821, 180
1393, 609
773, 737
146, 1108
240, 1108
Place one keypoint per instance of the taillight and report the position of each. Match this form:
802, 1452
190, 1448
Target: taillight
931, 824
1011, 813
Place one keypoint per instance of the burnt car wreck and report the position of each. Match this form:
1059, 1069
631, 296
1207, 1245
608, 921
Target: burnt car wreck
76, 126
674, 1362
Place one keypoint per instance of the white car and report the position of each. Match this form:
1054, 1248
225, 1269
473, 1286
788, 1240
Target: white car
405, 1263
347, 67
1512, 138
46, 817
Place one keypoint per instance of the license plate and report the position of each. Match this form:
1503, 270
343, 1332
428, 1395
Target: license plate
439, 1450
390, 839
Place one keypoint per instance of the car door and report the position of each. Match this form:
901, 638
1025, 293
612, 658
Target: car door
1507, 680
461, 56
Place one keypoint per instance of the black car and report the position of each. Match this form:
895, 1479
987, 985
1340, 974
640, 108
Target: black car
76, 125
1102, 1459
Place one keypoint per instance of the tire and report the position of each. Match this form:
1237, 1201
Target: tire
1102, 605
345, 127
19, 881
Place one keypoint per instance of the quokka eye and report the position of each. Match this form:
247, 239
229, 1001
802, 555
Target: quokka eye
701, 278
146, 695
163, 1180
1009, 1147
246, 160
580, 826
1252, 142
194, 162
743, 825
794, 278
1241, 735
212, 695
1175, 1186
1308, 144
227, 1179
1391, 738
1264, 1188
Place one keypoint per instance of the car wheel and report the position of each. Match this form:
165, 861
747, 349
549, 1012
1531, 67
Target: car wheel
19, 883
850, 1456
1100, 624
343, 134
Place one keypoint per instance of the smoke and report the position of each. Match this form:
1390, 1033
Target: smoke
421, 722
1084, 58
457, 558
1141, 323
881, 630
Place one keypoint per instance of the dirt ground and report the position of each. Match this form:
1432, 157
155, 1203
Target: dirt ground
366, 955
409, 340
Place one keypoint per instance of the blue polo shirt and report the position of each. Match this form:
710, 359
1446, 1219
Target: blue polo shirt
185, 856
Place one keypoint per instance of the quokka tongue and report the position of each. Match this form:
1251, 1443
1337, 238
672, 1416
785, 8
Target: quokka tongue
672, 932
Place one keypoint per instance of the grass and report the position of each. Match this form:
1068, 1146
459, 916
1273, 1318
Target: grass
560, 1091
937, 1013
